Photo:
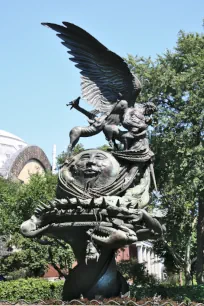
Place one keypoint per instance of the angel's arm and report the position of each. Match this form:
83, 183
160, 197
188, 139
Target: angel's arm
85, 112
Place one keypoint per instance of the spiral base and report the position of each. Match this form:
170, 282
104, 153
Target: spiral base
95, 279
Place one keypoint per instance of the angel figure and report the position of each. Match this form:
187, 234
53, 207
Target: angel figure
106, 82
107, 123
136, 120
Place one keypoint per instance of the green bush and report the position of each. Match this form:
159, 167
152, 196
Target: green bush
34, 289
30, 290
175, 293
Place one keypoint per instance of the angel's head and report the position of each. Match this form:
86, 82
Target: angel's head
150, 108
121, 106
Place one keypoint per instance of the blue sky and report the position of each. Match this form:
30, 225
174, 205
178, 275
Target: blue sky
37, 79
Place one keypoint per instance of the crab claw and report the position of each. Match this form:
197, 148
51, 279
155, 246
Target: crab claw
111, 237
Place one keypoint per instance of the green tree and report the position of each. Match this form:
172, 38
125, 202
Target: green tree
64, 155
77, 149
17, 203
132, 270
175, 82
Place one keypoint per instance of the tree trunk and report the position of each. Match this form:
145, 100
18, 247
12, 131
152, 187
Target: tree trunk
180, 278
61, 274
188, 262
200, 243
187, 269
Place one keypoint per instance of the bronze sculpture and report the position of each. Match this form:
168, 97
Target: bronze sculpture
101, 197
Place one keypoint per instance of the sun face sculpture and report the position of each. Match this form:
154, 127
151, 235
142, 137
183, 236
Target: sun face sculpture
93, 222
93, 169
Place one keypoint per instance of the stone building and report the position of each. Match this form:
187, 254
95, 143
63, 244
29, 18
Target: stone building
18, 160
153, 263
144, 253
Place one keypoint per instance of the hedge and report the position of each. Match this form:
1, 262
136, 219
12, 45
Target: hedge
31, 290
35, 289
175, 293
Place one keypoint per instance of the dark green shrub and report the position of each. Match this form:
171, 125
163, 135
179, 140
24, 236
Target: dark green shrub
30, 290
131, 269
175, 293
34, 289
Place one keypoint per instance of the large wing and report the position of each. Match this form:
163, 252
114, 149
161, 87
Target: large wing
104, 73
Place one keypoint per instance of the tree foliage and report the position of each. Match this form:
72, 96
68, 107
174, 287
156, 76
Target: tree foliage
64, 155
77, 149
17, 203
132, 270
175, 82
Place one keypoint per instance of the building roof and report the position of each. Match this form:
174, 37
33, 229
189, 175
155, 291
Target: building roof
15, 153
10, 144
6, 134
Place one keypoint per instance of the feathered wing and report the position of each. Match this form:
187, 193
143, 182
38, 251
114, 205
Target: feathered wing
104, 73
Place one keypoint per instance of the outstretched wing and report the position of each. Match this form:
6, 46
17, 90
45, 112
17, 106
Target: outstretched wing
104, 73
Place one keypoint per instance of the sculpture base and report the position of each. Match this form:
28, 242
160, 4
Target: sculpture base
95, 279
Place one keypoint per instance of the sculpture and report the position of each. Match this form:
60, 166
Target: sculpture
101, 197
132, 118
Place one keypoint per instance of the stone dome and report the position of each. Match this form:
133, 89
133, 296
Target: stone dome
9, 145
18, 160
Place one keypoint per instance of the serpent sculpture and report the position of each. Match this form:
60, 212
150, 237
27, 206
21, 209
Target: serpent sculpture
102, 197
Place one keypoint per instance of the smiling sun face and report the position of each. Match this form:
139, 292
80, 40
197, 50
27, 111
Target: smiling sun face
95, 167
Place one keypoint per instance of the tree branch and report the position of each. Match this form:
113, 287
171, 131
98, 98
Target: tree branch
61, 274
178, 260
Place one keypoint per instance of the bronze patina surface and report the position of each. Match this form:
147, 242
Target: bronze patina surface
102, 197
